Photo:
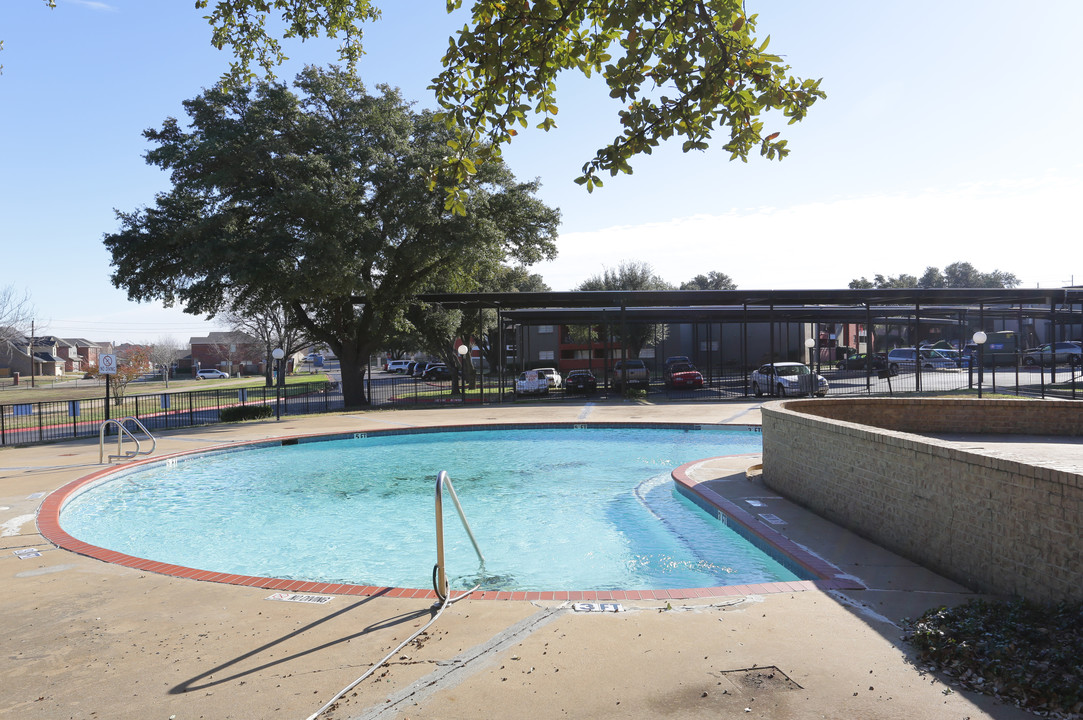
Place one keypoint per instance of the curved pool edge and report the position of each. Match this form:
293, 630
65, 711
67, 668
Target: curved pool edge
48, 522
796, 557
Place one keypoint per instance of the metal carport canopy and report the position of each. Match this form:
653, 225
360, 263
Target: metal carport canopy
787, 304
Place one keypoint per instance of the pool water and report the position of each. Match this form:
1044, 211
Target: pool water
552, 509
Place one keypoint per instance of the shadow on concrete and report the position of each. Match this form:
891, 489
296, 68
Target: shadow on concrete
196, 683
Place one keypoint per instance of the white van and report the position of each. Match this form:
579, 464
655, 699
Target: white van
397, 366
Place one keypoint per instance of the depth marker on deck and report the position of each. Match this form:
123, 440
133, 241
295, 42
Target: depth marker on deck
294, 597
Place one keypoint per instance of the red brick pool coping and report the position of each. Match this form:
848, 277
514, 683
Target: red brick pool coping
48, 521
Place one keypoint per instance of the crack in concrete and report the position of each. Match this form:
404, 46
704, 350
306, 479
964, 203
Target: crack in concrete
450, 673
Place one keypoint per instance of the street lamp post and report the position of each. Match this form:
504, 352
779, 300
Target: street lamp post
278, 354
979, 340
463, 350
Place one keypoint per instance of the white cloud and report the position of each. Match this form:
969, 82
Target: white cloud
1027, 227
93, 5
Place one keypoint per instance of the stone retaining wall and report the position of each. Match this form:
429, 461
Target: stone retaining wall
992, 524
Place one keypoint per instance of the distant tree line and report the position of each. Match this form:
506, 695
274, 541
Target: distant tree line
956, 275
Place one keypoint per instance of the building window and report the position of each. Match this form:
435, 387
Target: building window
545, 329
545, 355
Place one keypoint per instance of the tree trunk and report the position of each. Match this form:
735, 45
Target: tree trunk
352, 361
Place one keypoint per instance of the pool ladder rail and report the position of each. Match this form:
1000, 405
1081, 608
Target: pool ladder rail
122, 430
439, 572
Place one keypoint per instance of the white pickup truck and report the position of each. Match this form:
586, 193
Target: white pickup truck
532, 382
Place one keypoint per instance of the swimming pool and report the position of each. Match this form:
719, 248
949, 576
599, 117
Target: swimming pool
583, 508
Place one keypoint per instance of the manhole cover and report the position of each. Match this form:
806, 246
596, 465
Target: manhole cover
761, 679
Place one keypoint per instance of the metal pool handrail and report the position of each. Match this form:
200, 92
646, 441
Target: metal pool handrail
121, 432
440, 583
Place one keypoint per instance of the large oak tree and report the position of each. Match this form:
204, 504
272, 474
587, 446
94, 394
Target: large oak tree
320, 198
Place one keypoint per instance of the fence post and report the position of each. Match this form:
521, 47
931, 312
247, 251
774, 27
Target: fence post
3, 430
41, 425
191, 412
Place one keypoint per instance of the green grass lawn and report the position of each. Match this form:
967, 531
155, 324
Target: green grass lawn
54, 409
63, 389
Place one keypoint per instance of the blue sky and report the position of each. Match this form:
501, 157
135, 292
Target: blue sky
948, 134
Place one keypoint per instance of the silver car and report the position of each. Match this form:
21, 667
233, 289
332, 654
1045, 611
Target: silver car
906, 359
1062, 352
787, 378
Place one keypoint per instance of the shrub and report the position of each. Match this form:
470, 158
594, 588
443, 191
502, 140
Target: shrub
240, 413
1019, 652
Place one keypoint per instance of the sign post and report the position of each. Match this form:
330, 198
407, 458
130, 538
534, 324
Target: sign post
107, 366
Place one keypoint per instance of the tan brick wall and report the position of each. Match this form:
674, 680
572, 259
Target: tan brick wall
992, 524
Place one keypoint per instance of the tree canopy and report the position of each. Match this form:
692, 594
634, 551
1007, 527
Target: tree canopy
677, 68
955, 275
319, 198
713, 280
629, 275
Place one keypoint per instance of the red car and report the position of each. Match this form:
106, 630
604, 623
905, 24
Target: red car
681, 376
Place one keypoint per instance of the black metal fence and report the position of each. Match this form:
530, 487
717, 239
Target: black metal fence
1009, 375
40, 422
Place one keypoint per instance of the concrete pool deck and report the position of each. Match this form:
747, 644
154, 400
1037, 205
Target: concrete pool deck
85, 639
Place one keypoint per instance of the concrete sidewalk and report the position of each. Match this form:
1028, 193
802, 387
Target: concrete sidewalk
85, 639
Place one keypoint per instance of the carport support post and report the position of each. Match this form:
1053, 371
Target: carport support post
1053, 360
481, 356
623, 348
981, 349
917, 348
1017, 348
771, 331
868, 348
744, 347
502, 353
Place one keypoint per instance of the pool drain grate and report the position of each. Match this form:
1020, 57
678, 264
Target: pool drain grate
762, 679
773, 519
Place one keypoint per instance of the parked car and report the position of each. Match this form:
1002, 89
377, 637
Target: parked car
961, 359
862, 361
676, 360
397, 366
423, 367
632, 371
787, 378
1062, 352
437, 371
580, 381
210, 375
530, 382
681, 376
907, 358
551, 374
